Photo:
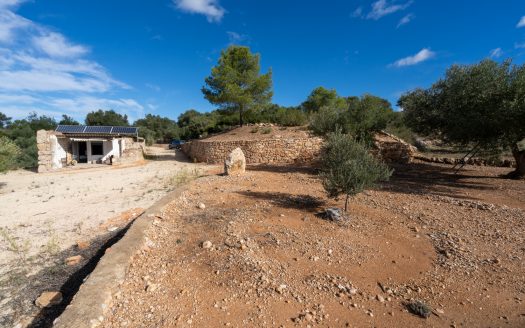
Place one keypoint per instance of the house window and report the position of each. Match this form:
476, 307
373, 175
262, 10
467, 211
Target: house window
97, 148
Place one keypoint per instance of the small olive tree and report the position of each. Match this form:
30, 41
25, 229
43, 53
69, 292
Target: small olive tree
9, 153
349, 168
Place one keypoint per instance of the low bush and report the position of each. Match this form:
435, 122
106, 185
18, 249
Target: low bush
348, 168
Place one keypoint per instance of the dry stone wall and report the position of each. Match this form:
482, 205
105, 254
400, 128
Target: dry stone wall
291, 150
280, 150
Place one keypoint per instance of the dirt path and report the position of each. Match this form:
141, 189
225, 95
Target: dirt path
42, 216
273, 262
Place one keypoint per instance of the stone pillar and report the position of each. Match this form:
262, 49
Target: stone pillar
43, 144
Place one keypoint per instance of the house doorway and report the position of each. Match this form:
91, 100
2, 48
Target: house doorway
82, 152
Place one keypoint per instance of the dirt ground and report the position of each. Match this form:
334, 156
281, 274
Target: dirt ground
43, 216
455, 243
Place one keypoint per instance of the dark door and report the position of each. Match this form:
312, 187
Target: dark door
82, 152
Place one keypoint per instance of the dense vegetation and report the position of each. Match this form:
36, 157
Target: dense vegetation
481, 104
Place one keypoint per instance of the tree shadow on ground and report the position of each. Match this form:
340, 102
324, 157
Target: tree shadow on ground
291, 168
285, 200
422, 178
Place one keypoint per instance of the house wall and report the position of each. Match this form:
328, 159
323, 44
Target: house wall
52, 150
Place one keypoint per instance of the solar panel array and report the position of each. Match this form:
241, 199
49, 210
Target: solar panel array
70, 128
108, 130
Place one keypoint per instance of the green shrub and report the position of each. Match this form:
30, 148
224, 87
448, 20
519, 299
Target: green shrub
266, 130
9, 153
348, 168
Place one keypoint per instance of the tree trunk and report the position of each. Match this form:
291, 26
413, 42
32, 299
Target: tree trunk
519, 156
346, 203
240, 116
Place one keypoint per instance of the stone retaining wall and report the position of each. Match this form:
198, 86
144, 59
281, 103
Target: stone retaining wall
387, 147
256, 151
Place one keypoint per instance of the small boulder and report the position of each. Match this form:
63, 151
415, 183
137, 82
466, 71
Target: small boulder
201, 206
207, 244
235, 163
48, 299
333, 214
82, 244
74, 260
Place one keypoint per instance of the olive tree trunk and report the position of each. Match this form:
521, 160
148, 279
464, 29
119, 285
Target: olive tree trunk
519, 156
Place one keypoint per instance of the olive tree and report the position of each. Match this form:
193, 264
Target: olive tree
482, 104
348, 168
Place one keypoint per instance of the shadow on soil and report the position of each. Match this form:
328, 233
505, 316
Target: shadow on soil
66, 279
284, 200
172, 155
283, 168
421, 178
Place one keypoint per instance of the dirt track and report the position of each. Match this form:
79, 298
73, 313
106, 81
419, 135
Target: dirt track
42, 216
453, 242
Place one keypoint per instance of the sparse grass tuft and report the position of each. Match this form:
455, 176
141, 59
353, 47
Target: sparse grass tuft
184, 176
266, 130
254, 130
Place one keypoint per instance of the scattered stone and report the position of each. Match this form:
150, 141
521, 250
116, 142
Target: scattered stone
281, 288
48, 299
334, 214
151, 287
201, 206
380, 298
419, 308
207, 244
82, 245
74, 260
235, 163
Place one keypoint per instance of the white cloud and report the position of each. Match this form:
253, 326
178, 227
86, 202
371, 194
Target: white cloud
519, 45
382, 8
521, 23
56, 45
236, 38
405, 20
42, 71
423, 55
210, 8
496, 53
358, 12
10, 3
9, 23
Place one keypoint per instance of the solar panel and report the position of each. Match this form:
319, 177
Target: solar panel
124, 130
108, 130
98, 129
70, 128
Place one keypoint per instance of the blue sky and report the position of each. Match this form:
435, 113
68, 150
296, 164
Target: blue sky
137, 57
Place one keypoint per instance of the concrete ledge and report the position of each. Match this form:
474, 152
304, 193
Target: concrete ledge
93, 299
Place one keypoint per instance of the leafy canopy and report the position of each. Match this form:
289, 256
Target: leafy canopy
321, 97
482, 103
154, 128
360, 117
9, 153
106, 118
235, 83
